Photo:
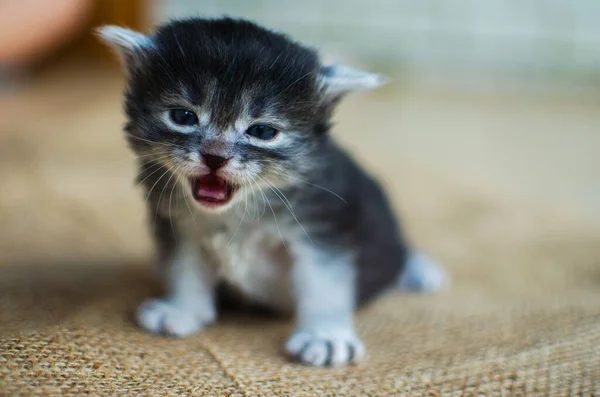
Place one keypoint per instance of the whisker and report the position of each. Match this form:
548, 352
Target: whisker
164, 144
130, 160
237, 208
274, 189
263, 197
156, 182
171, 198
277, 224
287, 202
312, 184
259, 190
156, 159
153, 162
245, 198
153, 172
243, 217
251, 189
255, 201
185, 198
150, 154
161, 194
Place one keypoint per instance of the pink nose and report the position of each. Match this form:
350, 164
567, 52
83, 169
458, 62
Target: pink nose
214, 162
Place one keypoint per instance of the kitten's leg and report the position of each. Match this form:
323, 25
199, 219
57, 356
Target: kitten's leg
422, 274
189, 304
324, 287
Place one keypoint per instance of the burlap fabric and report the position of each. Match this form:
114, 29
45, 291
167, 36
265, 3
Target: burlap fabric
522, 317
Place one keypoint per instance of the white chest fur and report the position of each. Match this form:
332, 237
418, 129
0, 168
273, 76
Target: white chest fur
255, 261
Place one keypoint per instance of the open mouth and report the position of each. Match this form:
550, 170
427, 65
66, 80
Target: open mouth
212, 190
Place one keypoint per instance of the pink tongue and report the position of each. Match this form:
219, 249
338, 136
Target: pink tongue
211, 187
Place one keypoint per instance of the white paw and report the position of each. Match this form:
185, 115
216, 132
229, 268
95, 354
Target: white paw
333, 347
165, 317
421, 273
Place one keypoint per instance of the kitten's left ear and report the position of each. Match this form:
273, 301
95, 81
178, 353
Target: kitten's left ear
130, 46
339, 80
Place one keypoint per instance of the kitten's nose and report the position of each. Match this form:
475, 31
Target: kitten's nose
214, 162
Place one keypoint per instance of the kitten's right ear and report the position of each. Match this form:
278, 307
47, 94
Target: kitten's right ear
130, 46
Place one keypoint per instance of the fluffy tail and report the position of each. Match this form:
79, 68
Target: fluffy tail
423, 274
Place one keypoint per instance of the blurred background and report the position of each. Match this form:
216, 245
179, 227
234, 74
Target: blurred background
501, 95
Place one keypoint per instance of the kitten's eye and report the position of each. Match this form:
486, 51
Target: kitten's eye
183, 117
263, 132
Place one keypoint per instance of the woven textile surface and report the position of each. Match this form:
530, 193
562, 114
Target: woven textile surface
522, 317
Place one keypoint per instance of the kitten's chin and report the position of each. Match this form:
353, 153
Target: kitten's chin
212, 191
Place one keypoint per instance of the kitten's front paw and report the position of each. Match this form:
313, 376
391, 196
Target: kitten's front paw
320, 348
165, 317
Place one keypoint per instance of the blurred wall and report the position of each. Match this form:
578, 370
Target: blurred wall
548, 39
63, 30
134, 14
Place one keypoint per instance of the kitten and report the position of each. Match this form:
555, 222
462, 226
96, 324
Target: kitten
246, 188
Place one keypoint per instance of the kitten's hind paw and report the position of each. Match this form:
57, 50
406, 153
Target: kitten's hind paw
423, 274
325, 348
161, 316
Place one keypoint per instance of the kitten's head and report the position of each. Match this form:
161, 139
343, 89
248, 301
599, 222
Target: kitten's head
225, 103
